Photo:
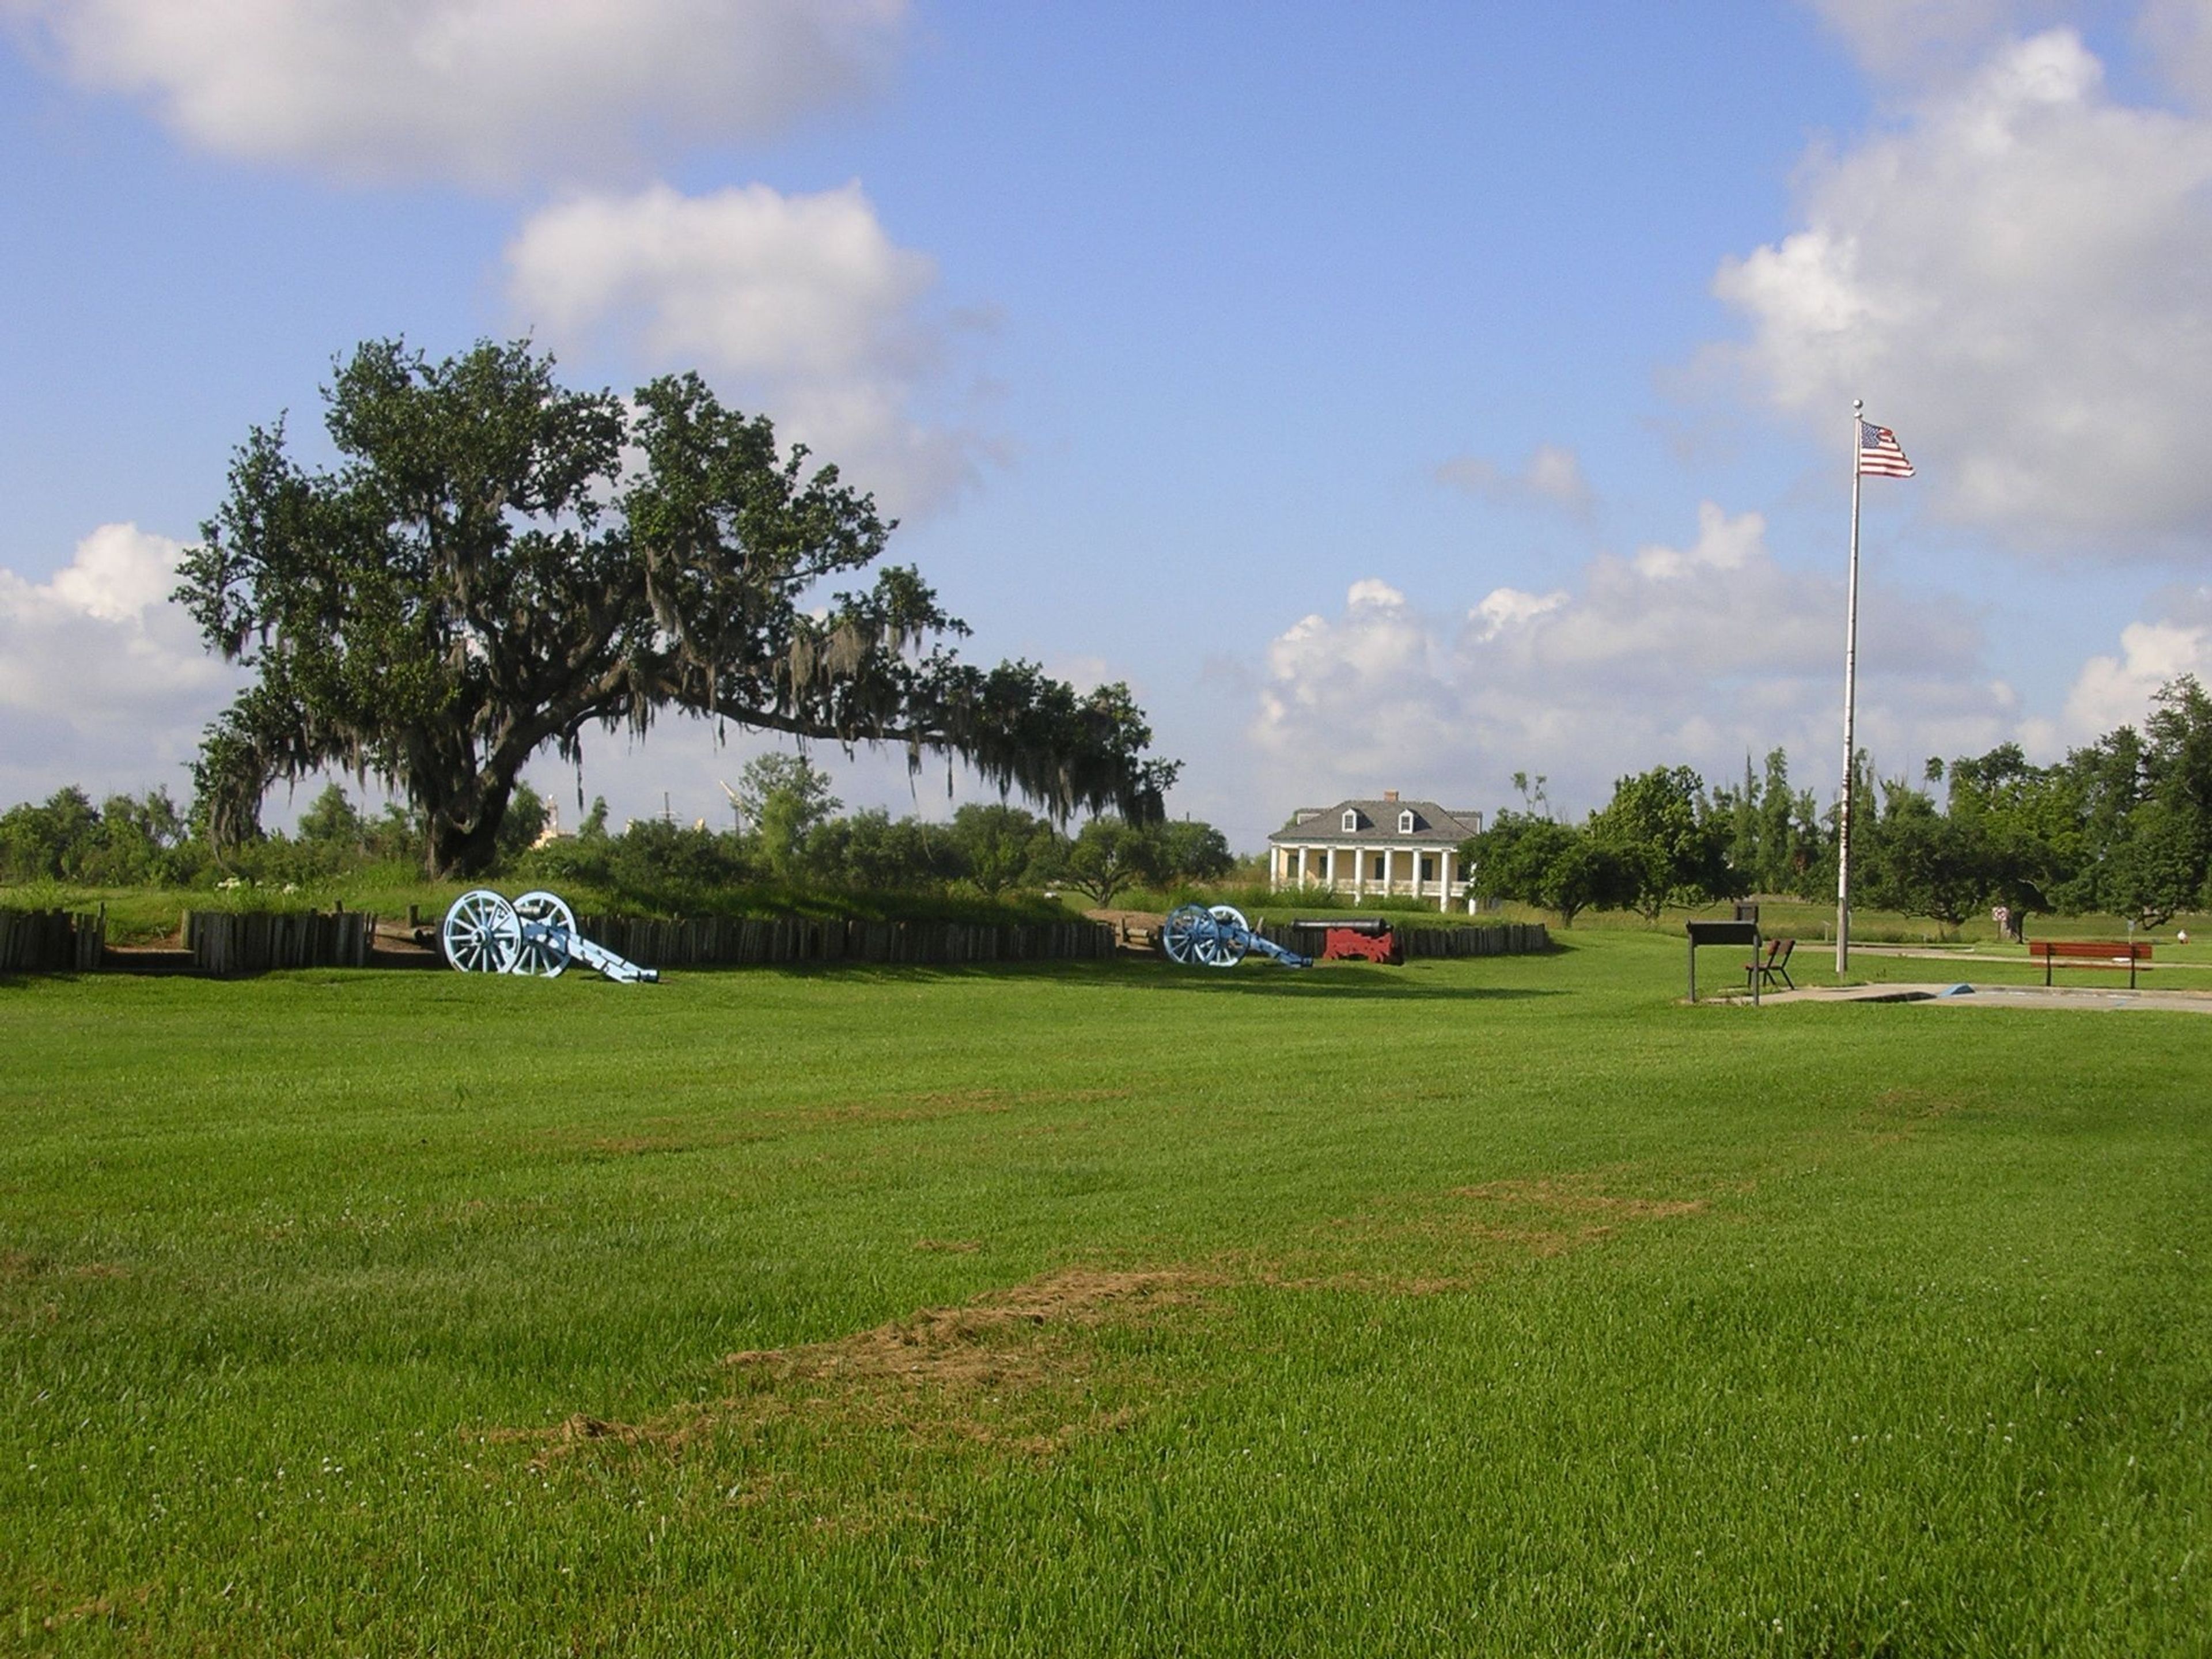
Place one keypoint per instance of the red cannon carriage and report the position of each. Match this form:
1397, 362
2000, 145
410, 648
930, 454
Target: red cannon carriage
1369, 940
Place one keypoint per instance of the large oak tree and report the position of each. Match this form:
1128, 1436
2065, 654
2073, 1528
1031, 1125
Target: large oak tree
497, 563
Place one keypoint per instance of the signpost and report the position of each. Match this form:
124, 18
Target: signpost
1724, 932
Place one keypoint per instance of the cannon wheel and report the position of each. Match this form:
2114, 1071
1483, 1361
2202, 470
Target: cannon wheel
1224, 946
1181, 932
551, 908
482, 934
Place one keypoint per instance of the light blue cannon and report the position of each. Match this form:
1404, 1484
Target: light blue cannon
1218, 937
485, 933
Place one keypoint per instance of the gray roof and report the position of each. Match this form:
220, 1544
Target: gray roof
1433, 826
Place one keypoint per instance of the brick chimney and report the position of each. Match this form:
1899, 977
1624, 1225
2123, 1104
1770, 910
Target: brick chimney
1389, 794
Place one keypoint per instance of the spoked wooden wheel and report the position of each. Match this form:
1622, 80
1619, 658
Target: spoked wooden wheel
482, 933
537, 957
1181, 932
1224, 943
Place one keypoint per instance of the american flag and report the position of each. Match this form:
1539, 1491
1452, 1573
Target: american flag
1879, 455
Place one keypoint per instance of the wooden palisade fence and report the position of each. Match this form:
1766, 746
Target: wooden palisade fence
1501, 938
729, 941
254, 941
50, 942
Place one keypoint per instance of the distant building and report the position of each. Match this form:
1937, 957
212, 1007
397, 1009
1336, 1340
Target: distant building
1406, 849
552, 830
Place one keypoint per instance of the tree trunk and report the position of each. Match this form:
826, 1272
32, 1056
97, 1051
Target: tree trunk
458, 847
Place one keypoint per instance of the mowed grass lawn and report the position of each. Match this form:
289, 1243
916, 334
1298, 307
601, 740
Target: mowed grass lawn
1489, 1307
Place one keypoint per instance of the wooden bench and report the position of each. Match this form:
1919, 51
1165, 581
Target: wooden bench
1775, 965
2090, 953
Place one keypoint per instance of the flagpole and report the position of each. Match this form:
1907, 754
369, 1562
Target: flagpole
1850, 689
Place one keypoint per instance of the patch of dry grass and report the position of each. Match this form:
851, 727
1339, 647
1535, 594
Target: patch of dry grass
1011, 1368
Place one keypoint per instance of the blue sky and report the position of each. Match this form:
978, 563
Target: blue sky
1397, 397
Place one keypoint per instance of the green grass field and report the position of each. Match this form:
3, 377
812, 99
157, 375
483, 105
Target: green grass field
1501, 1306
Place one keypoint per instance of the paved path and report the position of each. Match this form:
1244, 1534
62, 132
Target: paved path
1925, 952
1951, 953
2087, 997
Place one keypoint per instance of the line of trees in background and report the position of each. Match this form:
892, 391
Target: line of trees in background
2121, 826
789, 831
147, 841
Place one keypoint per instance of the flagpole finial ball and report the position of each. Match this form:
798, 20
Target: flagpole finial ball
1857, 403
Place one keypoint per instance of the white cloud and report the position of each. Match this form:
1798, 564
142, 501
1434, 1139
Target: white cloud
1924, 39
1355, 699
747, 279
1695, 654
103, 682
485, 91
1723, 543
1506, 608
799, 305
2014, 282
1553, 476
2116, 690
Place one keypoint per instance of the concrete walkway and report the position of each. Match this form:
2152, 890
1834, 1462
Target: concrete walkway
2090, 997
1953, 953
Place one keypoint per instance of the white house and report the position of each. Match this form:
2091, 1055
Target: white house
1409, 849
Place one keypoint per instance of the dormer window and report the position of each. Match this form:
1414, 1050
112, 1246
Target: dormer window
1406, 822
1351, 822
